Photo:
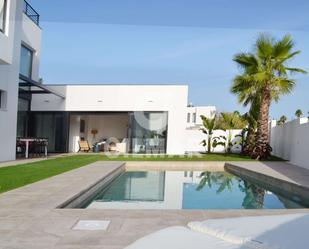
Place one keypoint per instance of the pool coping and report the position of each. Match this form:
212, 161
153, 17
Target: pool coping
282, 186
82, 198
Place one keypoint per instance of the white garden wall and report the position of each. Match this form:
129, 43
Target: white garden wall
291, 141
195, 136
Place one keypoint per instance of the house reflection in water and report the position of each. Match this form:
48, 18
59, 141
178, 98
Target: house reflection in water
187, 190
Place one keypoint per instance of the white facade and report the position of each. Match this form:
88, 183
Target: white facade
194, 114
82, 102
121, 98
19, 29
290, 141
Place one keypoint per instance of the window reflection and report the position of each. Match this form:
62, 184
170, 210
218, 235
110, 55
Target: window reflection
146, 137
26, 62
2, 14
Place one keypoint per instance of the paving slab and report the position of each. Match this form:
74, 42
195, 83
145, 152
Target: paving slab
279, 170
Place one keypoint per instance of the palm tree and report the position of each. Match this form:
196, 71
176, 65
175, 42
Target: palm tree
265, 73
251, 116
282, 120
210, 124
247, 95
231, 121
298, 113
222, 180
254, 195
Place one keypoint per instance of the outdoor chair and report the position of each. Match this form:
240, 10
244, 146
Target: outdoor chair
42, 146
20, 147
84, 146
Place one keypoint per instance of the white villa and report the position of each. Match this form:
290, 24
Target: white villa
133, 118
137, 118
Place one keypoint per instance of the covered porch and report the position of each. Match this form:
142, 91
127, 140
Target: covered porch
33, 137
121, 132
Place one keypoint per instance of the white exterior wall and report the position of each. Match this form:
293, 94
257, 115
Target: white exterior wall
124, 98
207, 111
194, 137
19, 30
7, 38
291, 141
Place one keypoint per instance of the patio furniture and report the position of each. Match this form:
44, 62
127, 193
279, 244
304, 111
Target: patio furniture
260, 232
31, 144
122, 146
42, 146
20, 147
84, 146
112, 147
276, 231
180, 238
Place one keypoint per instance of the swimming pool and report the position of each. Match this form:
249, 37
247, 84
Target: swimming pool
188, 190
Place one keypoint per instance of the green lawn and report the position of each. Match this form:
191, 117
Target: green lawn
20, 175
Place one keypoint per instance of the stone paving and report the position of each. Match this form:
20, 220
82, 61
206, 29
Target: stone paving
279, 170
29, 218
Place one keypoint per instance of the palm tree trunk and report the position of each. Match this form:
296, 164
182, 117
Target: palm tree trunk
249, 143
209, 143
262, 148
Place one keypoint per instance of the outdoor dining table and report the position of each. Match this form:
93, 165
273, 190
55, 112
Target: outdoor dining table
27, 142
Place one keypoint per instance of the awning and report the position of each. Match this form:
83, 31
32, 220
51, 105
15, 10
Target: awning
27, 85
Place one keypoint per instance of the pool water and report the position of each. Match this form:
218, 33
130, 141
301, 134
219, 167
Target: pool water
188, 190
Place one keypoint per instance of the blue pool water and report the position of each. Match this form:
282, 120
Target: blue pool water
188, 190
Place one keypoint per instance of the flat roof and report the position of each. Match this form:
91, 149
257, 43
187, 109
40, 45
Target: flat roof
97, 84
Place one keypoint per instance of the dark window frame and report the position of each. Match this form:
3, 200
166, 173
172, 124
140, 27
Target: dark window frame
31, 58
2, 29
3, 100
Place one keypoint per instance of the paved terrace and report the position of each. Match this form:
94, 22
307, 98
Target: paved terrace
279, 170
29, 218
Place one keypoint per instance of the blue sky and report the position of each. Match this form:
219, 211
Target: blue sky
168, 42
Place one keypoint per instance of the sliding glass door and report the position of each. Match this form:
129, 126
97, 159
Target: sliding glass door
23, 115
148, 132
54, 127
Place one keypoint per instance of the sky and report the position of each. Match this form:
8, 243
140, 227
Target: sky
189, 42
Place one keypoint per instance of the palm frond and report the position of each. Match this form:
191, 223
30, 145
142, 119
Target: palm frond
283, 47
264, 46
296, 70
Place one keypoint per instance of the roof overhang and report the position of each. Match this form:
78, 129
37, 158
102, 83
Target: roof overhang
27, 85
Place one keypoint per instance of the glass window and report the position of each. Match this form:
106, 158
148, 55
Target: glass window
82, 126
54, 127
2, 14
148, 132
3, 97
194, 117
188, 117
26, 61
22, 117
